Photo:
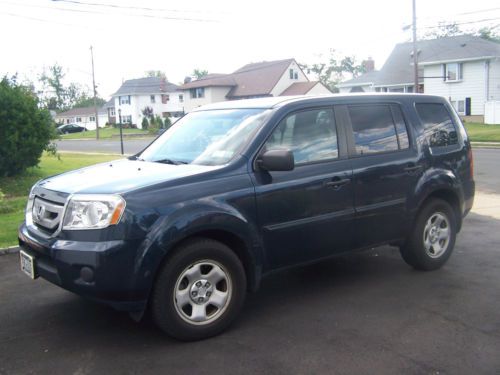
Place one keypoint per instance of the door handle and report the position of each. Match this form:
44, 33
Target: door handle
412, 168
337, 182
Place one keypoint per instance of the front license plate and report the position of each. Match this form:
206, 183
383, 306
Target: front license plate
27, 264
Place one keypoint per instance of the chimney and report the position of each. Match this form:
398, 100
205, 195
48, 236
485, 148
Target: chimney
369, 64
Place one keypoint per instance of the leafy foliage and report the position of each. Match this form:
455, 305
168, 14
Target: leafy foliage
85, 101
148, 113
198, 73
145, 123
156, 73
25, 129
446, 29
330, 71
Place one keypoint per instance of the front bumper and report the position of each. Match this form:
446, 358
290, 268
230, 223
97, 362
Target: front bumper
111, 265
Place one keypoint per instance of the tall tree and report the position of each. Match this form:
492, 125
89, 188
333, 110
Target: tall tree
199, 73
331, 70
52, 80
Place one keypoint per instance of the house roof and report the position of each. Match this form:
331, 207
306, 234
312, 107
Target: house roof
147, 85
85, 111
398, 68
109, 104
250, 80
299, 88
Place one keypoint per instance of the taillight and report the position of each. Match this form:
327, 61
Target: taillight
471, 163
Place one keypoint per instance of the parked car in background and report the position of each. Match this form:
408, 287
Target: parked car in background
70, 128
236, 190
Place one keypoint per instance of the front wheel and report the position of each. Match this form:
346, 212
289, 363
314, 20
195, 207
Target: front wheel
433, 238
199, 290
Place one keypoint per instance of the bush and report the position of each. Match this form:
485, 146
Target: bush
25, 129
145, 123
167, 122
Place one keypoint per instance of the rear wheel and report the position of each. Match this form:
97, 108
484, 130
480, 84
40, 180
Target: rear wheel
433, 238
199, 290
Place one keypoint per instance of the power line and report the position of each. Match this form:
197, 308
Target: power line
460, 23
48, 21
133, 7
172, 18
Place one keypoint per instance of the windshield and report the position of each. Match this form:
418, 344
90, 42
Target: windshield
206, 137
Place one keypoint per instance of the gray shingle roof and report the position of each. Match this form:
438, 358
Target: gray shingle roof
398, 68
250, 80
147, 85
85, 111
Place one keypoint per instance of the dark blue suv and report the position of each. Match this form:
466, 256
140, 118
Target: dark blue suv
238, 189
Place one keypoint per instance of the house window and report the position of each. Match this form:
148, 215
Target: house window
295, 75
78, 119
291, 73
181, 98
124, 99
153, 99
459, 106
127, 119
112, 112
92, 118
197, 93
452, 72
165, 98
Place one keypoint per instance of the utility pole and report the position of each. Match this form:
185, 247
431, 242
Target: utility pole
95, 96
415, 52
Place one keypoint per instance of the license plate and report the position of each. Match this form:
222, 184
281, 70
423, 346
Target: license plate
27, 264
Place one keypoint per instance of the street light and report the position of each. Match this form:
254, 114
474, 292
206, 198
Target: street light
120, 124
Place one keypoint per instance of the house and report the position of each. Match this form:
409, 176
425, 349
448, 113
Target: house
134, 95
255, 80
465, 69
109, 107
82, 116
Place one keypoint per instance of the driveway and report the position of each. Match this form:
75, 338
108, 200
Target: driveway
368, 313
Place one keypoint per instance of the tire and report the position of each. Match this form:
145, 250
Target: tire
428, 247
199, 291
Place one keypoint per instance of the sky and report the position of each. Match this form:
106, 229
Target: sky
130, 36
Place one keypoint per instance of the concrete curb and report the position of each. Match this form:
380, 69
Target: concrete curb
485, 144
9, 250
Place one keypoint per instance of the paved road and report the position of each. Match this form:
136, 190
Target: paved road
110, 146
367, 313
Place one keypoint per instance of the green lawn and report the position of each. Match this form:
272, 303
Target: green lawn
483, 133
16, 189
103, 133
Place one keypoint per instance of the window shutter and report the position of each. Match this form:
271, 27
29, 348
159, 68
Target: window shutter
443, 71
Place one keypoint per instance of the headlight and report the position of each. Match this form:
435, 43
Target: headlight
93, 211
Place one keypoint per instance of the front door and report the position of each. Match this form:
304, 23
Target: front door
306, 213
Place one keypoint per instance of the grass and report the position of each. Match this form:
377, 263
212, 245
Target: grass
483, 133
16, 189
104, 133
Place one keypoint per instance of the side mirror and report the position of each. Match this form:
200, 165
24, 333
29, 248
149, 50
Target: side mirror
276, 160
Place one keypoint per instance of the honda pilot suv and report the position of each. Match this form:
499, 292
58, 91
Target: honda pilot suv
238, 189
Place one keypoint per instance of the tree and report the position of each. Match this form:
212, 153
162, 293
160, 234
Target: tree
52, 79
489, 34
198, 73
85, 101
443, 30
25, 129
145, 123
155, 73
148, 113
55, 95
331, 70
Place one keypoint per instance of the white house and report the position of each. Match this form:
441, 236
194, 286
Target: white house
465, 69
156, 93
268, 78
82, 116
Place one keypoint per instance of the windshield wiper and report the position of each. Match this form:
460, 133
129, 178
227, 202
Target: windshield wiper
170, 161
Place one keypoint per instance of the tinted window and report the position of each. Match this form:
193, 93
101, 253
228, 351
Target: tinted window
310, 135
400, 127
374, 129
438, 126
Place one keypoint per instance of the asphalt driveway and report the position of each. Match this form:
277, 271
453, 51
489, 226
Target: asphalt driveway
367, 313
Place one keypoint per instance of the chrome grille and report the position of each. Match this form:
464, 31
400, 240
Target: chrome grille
47, 214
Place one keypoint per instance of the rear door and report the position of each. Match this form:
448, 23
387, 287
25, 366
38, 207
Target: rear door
306, 213
385, 170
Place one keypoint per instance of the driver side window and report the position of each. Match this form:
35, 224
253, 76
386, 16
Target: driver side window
311, 136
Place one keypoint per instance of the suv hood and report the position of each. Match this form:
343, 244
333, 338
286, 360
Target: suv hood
119, 176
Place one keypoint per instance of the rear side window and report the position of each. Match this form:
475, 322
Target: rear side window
374, 128
311, 136
438, 125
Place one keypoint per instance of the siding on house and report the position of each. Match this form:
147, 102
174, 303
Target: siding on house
472, 84
365, 88
285, 81
494, 88
318, 89
212, 95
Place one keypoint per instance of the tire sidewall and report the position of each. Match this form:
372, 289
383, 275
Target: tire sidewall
423, 260
165, 312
